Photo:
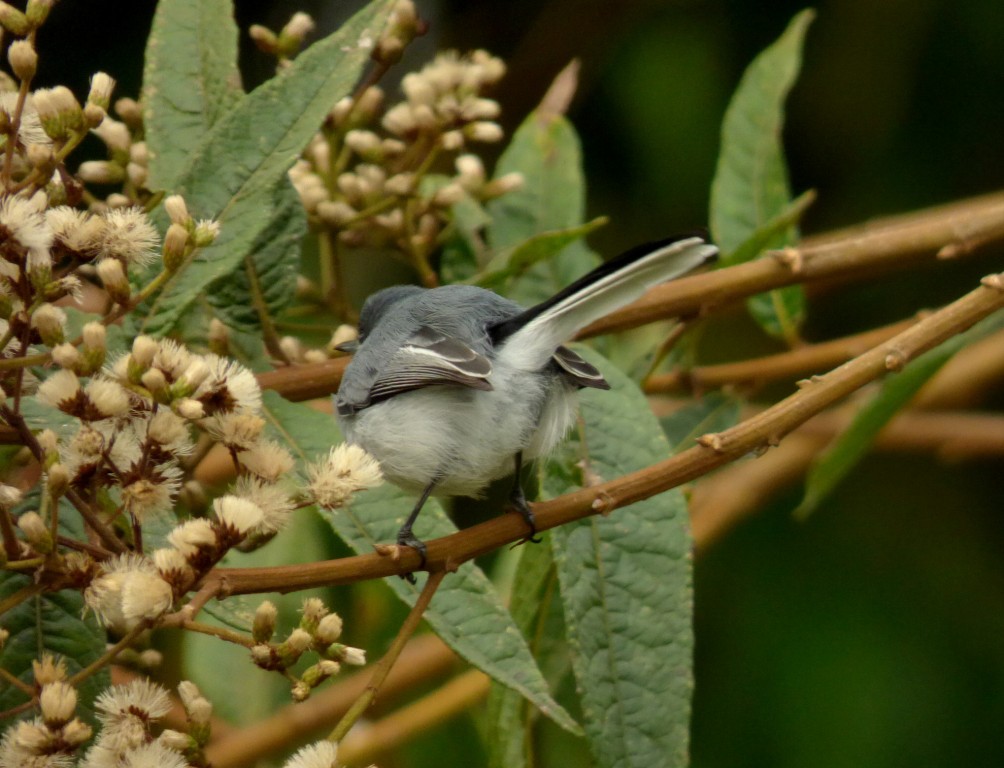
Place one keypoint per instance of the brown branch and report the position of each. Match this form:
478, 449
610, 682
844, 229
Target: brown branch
424, 659
856, 252
305, 382
757, 433
379, 738
802, 361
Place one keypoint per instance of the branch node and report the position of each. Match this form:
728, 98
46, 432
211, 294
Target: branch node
791, 258
803, 383
712, 440
393, 551
993, 281
604, 504
896, 359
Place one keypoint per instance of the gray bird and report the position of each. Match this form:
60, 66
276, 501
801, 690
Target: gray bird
451, 388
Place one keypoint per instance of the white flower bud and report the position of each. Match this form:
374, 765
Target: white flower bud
101, 90
65, 355
176, 209
143, 350
23, 59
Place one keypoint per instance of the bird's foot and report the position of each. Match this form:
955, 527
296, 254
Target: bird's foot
518, 503
405, 538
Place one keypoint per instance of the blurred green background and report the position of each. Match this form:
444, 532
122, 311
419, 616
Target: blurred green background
872, 634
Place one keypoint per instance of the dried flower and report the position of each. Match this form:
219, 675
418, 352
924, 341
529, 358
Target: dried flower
191, 536
108, 397
236, 430
273, 500
130, 590
58, 701
345, 470
239, 516
321, 754
129, 235
266, 459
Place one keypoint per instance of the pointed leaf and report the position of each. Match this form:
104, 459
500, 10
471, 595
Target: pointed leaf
533, 605
545, 149
275, 259
535, 250
190, 80
751, 188
895, 392
232, 176
466, 611
626, 588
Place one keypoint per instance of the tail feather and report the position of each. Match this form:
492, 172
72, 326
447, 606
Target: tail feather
531, 337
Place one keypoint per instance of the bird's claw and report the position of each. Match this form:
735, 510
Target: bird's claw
519, 504
405, 538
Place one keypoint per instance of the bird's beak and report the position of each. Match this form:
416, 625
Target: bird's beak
348, 347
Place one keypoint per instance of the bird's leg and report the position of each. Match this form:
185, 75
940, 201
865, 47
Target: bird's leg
406, 538
517, 499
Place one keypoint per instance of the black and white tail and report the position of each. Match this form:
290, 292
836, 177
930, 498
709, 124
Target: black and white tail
530, 339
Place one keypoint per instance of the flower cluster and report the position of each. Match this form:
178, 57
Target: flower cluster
366, 180
318, 631
138, 419
50, 739
127, 715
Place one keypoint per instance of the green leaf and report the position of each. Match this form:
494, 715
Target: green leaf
779, 312
232, 176
714, 412
533, 606
517, 261
466, 611
50, 623
545, 149
750, 189
189, 82
275, 259
626, 587
896, 391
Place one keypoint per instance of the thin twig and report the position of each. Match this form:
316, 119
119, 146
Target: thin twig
11, 679
385, 664
268, 332
110, 655
15, 599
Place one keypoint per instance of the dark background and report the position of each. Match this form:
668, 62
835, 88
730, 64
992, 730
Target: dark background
873, 634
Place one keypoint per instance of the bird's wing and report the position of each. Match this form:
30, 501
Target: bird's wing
578, 370
429, 357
